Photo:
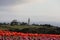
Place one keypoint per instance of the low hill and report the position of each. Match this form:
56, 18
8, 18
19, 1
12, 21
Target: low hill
32, 29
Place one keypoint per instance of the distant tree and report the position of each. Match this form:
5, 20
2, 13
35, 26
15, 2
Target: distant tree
8, 23
35, 24
48, 25
14, 22
0, 23
23, 23
4, 23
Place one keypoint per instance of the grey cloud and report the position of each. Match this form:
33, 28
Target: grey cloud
10, 2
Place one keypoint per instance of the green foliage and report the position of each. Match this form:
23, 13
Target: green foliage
14, 22
32, 29
23, 23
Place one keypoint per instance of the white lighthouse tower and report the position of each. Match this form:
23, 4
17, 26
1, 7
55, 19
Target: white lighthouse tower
28, 21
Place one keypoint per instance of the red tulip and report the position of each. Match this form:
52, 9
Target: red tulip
29, 35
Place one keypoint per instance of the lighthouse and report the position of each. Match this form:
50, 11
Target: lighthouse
28, 21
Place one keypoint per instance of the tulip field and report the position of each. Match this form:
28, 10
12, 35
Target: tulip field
8, 35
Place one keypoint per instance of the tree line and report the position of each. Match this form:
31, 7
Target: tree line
15, 22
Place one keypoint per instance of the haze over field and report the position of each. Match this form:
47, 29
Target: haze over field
44, 11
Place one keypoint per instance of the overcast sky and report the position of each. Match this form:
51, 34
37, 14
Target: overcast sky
37, 10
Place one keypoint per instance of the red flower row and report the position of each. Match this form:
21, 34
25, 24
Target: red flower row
8, 33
